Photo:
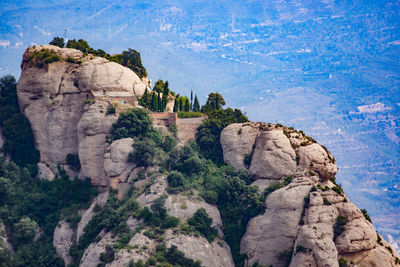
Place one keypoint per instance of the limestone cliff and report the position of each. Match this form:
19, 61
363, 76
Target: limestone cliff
59, 92
307, 220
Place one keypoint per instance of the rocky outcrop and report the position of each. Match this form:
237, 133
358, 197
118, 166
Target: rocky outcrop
215, 254
91, 256
93, 128
184, 207
116, 159
100, 201
273, 152
283, 214
44, 172
52, 96
63, 239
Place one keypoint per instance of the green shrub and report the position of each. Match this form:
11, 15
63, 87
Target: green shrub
132, 123
25, 230
286, 257
173, 128
326, 201
339, 226
111, 109
58, 41
176, 181
19, 140
145, 152
247, 159
342, 262
366, 215
208, 133
202, 223
338, 190
73, 161
189, 114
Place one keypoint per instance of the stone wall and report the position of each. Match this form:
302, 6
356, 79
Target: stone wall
187, 128
163, 118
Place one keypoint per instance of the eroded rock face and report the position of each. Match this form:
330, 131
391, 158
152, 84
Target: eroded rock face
275, 231
91, 256
62, 240
52, 98
317, 159
272, 152
184, 208
87, 215
116, 159
238, 140
44, 172
92, 131
212, 254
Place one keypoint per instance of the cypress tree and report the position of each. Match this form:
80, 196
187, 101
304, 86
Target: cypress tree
164, 101
180, 101
175, 106
154, 102
159, 102
186, 104
166, 88
196, 104
191, 99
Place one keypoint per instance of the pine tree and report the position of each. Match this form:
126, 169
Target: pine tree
145, 100
196, 104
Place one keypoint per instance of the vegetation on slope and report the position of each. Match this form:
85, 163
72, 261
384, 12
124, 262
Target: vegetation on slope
15, 127
130, 59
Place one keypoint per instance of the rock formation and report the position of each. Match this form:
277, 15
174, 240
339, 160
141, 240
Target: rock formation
310, 221
56, 99
307, 221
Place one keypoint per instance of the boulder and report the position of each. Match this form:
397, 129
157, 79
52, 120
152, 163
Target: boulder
275, 231
116, 159
93, 128
183, 207
215, 254
315, 158
237, 141
44, 172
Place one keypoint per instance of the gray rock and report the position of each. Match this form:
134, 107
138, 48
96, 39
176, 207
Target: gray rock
93, 128
91, 256
44, 172
183, 207
116, 159
275, 231
52, 98
87, 215
317, 159
215, 254
4, 242
62, 240
237, 141
274, 157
